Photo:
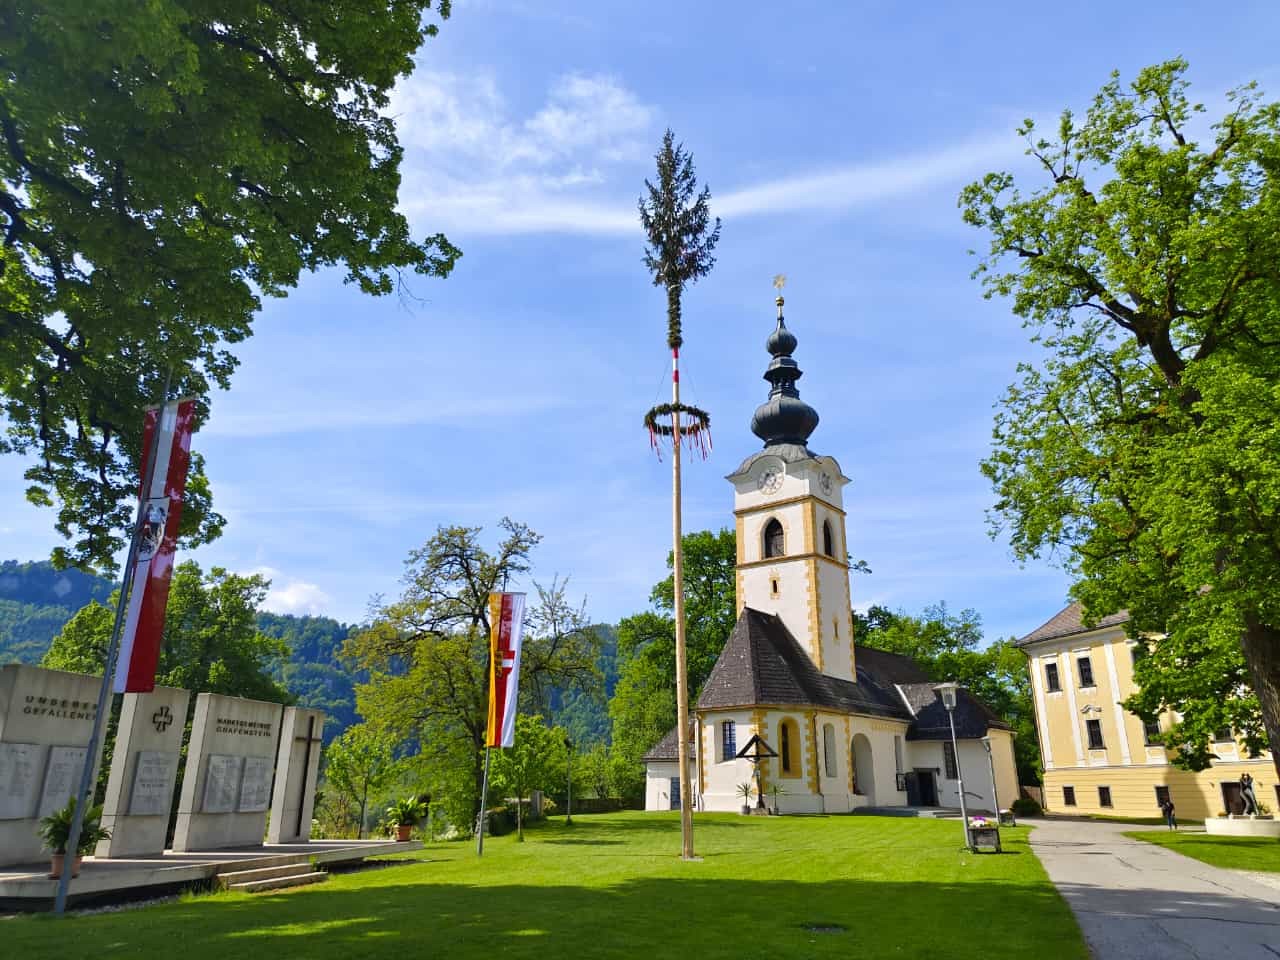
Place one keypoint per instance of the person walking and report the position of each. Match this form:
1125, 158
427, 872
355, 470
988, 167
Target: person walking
1167, 809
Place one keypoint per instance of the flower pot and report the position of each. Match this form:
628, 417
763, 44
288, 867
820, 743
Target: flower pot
746, 809
56, 862
403, 831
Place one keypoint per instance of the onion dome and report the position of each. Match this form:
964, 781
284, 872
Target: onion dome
784, 418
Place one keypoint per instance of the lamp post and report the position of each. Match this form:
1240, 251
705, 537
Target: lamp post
568, 805
949, 691
991, 763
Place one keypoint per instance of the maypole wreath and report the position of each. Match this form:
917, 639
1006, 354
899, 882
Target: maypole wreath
695, 427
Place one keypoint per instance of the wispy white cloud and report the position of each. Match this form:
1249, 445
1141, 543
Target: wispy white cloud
471, 164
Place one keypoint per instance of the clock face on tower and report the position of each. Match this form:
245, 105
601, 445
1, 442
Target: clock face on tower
769, 482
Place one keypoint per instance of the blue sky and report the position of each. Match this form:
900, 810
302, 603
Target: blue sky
834, 137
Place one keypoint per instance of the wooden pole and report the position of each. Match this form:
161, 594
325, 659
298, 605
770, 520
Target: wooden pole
682, 670
84, 796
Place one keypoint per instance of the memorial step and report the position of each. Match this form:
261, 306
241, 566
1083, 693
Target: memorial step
230, 877
280, 883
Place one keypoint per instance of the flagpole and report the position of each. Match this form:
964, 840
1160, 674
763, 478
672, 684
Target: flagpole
484, 802
108, 669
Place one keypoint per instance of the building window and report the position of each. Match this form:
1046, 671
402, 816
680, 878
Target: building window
1068, 796
829, 749
774, 544
828, 544
728, 740
1104, 796
1151, 731
1051, 677
1223, 735
788, 745
773, 586
897, 754
949, 760
674, 793
1162, 797
1086, 671
1094, 728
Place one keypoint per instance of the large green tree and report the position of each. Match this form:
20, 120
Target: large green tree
162, 167
357, 764
211, 640
427, 653
643, 706
1142, 447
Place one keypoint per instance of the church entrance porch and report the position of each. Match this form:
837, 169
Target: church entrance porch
864, 770
922, 789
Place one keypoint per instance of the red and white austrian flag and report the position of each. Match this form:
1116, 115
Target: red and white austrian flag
161, 506
506, 626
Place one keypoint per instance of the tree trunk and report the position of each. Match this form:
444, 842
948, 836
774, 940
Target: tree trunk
1261, 645
363, 801
519, 818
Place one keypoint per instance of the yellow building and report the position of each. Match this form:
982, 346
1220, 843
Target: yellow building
1098, 758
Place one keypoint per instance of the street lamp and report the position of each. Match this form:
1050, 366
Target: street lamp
949, 692
568, 805
991, 762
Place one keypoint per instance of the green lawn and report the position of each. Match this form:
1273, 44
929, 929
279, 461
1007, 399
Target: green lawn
612, 886
1236, 853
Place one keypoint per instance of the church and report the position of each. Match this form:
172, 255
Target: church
848, 726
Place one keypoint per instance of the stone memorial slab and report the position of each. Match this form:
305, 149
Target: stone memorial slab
144, 770
222, 781
255, 785
19, 763
247, 730
297, 770
39, 709
62, 775
154, 774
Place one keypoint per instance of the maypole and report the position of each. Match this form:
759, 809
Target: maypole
676, 218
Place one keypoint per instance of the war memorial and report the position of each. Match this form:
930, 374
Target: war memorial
241, 816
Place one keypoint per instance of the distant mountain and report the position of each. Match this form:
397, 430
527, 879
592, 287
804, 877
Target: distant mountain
36, 600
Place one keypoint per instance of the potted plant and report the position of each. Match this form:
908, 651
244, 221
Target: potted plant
777, 791
744, 791
55, 831
405, 814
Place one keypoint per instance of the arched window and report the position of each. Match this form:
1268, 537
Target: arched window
774, 545
829, 749
789, 747
828, 543
728, 740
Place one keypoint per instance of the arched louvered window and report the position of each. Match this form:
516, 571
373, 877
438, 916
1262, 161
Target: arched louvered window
828, 541
774, 544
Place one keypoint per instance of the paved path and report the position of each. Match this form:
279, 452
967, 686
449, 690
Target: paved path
1138, 901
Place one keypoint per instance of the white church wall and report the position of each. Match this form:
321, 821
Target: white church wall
972, 758
721, 774
657, 783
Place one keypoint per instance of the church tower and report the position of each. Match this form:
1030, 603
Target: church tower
788, 506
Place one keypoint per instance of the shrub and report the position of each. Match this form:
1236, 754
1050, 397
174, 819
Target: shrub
1025, 807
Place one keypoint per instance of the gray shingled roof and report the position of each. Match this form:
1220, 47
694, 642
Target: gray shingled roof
667, 748
973, 717
762, 664
1067, 622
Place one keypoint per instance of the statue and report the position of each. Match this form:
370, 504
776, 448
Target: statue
1248, 796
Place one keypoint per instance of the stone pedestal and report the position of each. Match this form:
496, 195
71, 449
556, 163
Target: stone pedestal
226, 787
46, 719
144, 769
297, 769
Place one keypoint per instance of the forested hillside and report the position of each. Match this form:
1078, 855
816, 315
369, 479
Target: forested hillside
36, 600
